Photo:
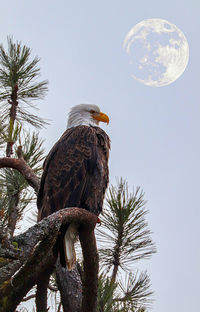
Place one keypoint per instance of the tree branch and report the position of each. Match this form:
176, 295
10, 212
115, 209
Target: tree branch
13, 290
70, 287
41, 293
23, 168
13, 111
91, 268
12, 212
37, 254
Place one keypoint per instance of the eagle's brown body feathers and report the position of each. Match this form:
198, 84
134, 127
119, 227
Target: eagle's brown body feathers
75, 172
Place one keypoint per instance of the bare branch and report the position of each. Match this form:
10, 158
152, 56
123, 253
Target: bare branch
23, 168
41, 293
91, 268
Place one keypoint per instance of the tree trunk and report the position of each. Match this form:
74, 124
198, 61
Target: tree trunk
70, 287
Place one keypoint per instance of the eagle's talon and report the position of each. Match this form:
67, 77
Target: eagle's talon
99, 221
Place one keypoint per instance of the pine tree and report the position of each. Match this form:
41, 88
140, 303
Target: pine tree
18, 88
28, 259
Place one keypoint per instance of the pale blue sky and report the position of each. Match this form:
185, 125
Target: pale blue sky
154, 131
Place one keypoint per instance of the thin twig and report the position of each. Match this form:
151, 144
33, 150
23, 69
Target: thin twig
28, 297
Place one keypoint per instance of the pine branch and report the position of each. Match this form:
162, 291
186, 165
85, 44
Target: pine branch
25, 116
2, 133
12, 114
106, 292
32, 151
137, 291
18, 85
124, 231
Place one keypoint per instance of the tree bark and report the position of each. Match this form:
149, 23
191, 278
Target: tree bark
12, 213
91, 268
116, 256
70, 286
14, 290
13, 110
35, 254
42, 289
23, 168
11, 262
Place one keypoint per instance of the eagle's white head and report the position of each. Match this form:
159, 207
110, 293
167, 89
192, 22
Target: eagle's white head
86, 114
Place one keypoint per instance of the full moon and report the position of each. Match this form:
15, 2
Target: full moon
158, 52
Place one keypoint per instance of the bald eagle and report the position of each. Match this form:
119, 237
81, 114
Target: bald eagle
76, 173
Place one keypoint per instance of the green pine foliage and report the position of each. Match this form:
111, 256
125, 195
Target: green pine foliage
106, 293
125, 239
33, 151
18, 69
16, 194
127, 230
19, 87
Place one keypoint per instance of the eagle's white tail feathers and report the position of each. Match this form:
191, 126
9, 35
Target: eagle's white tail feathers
70, 238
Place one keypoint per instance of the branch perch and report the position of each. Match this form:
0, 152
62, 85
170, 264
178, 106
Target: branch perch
37, 255
91, 268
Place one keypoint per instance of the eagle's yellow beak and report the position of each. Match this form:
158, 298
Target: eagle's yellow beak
101, 117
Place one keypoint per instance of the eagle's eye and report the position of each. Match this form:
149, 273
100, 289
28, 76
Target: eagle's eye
92, 111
